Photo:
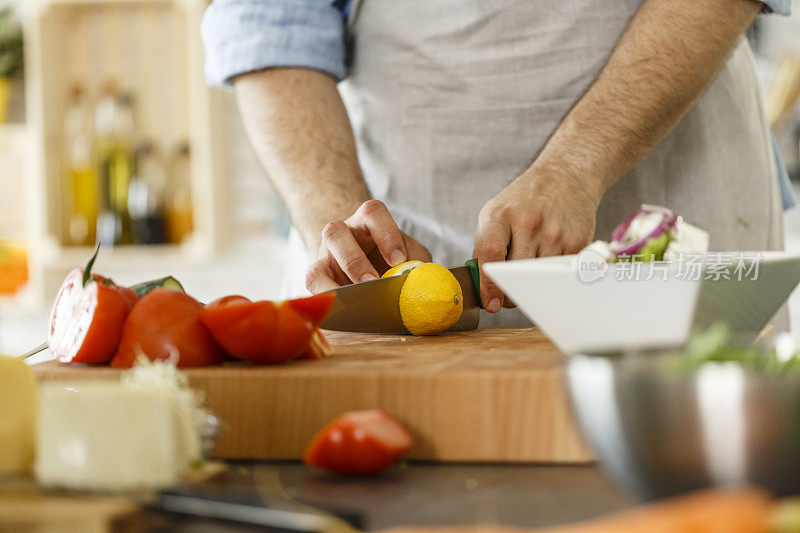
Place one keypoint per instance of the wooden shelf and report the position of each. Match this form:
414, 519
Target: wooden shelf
153, 49
13, 139
12, 132
73, 3
71, 256
245, 269
13, 160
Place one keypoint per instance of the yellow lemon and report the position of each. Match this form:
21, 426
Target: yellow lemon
430, 300
402, 268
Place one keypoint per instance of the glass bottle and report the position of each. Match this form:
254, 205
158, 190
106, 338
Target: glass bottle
146, 197
80, 170
114, 128
180, 219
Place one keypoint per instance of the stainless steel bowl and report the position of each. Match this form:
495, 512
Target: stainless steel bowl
659, 432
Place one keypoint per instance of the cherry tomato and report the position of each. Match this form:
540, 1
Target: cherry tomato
165, 322
314, 307
359, 442
86, 321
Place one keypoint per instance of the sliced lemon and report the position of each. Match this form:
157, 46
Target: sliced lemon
402, 268
430, 300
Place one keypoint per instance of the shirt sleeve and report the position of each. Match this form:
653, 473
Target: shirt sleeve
781, 7
246, 35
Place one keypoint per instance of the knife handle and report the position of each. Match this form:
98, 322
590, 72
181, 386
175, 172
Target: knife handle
474, 274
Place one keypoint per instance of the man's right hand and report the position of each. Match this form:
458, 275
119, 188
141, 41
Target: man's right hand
361, 248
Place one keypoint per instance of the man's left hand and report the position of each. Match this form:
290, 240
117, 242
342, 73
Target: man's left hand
539, 214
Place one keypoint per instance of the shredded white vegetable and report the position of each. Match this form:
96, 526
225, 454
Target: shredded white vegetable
164, 376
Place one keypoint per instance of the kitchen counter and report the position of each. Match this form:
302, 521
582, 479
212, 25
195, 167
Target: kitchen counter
480, 393
429, 494
424, 494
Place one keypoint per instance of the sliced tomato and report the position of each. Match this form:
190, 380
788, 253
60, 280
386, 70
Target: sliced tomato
292, 333
262, 332
318, 347
86, 321
166, 322
226, 300
314, 307
359, 442
245, 329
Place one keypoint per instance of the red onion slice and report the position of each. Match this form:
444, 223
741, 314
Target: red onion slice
618, 244
619, 232
669, 214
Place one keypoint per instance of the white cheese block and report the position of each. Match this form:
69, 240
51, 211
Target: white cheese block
686, 239
17, 416
102, 436
602, 249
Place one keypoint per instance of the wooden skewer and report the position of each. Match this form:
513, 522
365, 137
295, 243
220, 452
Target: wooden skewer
34, 351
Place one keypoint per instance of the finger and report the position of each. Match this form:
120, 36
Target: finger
491, 245
338, 274
573, 245
375, 219
350, 257
550, 241
320, 278
377, 261
523, 245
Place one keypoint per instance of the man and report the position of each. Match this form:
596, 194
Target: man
502, 129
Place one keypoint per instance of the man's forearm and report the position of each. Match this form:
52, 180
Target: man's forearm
668, 55
300, 132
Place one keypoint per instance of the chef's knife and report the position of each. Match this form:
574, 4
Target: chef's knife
372, 306
239, 507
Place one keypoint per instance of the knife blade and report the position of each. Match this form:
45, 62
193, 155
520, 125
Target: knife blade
372, 306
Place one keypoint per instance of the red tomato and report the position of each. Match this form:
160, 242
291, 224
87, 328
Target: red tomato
86, 322
164, 322
245, 329
225, 300
315, 307
318, 347
262, 332
292, 333
359, 442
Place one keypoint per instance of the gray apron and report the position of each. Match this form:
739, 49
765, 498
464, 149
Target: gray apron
450, 101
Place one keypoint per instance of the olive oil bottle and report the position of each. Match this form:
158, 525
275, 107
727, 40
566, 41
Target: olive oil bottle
113, 153
146, 197
81, 176
179, 215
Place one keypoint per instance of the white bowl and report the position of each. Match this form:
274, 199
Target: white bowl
587, 306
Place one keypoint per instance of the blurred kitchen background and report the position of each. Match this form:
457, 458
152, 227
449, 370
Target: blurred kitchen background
108, 132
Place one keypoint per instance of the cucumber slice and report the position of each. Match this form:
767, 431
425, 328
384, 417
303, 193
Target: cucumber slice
168, 282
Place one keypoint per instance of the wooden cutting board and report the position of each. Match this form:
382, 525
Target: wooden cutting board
494, 394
